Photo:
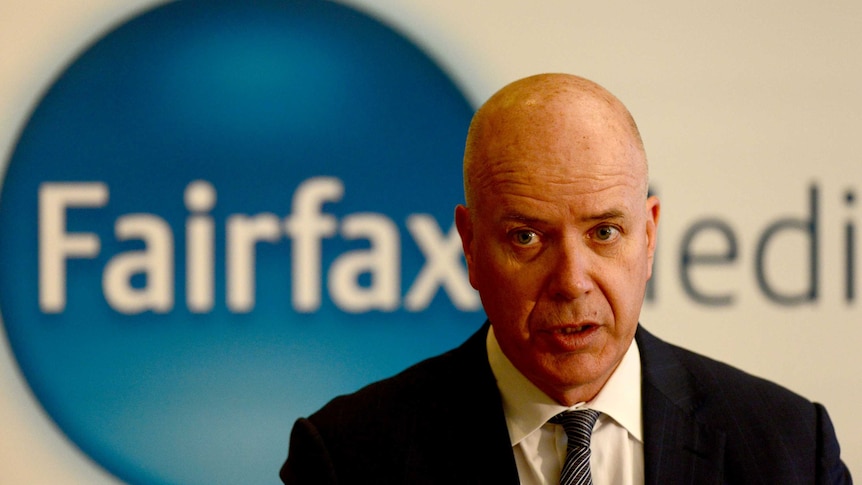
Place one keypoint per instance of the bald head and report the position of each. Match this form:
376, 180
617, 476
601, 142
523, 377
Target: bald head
549, 113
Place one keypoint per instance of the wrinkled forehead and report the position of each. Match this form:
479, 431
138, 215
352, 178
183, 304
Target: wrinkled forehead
551, 182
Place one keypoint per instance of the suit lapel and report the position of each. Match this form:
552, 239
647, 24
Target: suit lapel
494, 457
677, 448
472, 442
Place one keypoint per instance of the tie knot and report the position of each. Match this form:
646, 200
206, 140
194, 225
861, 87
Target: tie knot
578, 425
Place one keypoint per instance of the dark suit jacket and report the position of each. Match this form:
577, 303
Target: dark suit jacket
441, 421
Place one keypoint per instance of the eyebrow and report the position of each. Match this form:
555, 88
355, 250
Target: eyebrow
611, 214
603, 216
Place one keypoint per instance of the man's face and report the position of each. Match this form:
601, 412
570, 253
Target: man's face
559, 244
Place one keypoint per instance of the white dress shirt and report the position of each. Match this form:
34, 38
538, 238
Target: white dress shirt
540, 447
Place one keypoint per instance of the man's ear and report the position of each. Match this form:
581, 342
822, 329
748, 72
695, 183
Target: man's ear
464, 224
653, 211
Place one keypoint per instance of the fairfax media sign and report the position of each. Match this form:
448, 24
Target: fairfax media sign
307, 226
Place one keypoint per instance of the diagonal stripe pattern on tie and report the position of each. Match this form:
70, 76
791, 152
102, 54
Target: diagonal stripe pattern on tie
579, 427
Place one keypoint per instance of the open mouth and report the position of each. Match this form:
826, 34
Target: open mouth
575, 330
572, 338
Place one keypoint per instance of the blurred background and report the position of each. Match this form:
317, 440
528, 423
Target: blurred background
750, 114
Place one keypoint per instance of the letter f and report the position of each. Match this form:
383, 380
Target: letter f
306, 227
55, 244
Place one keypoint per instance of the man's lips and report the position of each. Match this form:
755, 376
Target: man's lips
570, 329
572, 338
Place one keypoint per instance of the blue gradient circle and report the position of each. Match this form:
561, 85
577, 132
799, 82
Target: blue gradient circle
254, 100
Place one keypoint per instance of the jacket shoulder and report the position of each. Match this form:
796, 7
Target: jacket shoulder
679, 371
412, 425
769, 430
429, 383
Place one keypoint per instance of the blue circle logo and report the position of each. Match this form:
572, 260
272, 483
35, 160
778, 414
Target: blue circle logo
221, 215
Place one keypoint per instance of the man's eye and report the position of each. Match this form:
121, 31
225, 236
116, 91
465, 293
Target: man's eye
525, 238
606, 233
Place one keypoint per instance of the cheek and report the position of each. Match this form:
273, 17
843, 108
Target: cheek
488, 265
494, 282
626, 288
632, 289
506, 290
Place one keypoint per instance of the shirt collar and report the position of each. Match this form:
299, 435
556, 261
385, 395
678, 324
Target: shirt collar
527, 408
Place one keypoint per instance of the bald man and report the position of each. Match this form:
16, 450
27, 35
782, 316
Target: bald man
559, 235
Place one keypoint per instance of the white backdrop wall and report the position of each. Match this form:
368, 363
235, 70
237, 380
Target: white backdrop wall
750, 112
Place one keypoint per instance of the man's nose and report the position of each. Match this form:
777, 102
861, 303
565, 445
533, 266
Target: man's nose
570, 271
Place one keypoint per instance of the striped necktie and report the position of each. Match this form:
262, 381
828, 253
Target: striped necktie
579, 426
